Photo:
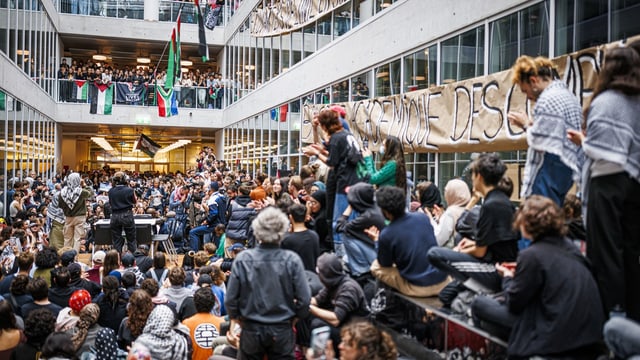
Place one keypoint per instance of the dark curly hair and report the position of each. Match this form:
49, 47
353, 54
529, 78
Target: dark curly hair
372, 343
140, 306
38, 325
540, 216
150, 286
47, 258
59, 344
38, 288
19, 285
204, 300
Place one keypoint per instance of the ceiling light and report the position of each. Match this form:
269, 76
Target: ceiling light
174, 146
22, 52
385, 4
144, 60
186, 63
104, 144
382, 74
249, 67
420, 78
184, 70
99, 57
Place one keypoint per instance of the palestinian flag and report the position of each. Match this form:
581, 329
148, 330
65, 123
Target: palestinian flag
167, 105
3, 100
203, 49
146, 145
280, 114
102, 99
81, 89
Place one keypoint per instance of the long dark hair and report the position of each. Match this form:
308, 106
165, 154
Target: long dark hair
620, 71
395, 151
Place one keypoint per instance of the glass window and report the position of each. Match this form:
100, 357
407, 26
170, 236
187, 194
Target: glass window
340, 91
416, 70
342, 19
534, 30
463, 56
504, 43
382, 81
580, 24
360, 86
433, 65
624, 19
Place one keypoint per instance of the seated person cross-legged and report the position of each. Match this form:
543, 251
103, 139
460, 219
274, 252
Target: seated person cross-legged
471, 262
402, 245
552, 306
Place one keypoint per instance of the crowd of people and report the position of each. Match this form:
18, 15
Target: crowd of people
270, 263
204, 89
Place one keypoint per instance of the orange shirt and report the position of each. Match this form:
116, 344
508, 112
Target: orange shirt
203, 328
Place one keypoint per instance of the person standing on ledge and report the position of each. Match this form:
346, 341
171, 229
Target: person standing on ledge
122, 199
553, 161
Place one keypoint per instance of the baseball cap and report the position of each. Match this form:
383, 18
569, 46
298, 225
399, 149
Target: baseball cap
235, 247
68, 257
98, 257
205, 279
128, 259
74, 270
339, 109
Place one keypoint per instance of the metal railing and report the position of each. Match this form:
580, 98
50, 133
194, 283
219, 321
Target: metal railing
126, 93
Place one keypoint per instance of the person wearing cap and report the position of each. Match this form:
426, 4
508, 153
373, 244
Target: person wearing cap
215, 205
203, 326
129, 264
94, 272
68, 257
78, 282
122, 199
73, 202
266, 291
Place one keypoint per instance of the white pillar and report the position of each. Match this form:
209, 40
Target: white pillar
151, 9
220, 144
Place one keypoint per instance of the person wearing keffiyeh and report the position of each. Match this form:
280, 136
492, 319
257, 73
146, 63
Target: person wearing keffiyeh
73, 202
554, 163
160, 338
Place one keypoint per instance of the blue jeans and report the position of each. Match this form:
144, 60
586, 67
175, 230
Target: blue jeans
341, 203
195, 233
623, 337
553, 180
360, 254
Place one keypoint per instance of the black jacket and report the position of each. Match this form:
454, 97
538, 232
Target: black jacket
555, 298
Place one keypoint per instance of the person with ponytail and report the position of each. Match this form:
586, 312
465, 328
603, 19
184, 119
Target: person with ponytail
84, 333
553, 162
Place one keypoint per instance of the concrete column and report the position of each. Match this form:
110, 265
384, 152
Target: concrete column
220, 144
151, 9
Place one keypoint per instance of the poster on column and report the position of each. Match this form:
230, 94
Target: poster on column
466, 116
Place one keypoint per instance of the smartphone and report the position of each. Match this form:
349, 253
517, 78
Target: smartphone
365, 143
319, 337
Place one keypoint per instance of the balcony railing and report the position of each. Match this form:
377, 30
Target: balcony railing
134, 9
125, 93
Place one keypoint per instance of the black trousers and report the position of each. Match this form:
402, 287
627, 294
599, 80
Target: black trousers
123, 221
274, 341
613, 240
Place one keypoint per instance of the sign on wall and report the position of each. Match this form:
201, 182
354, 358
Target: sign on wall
289, 15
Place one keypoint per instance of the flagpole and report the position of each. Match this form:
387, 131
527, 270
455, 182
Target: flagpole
165, 47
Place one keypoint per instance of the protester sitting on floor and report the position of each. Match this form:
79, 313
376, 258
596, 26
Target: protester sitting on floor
61, 290
152, 288
401, 263
40, 293
496, 240
457, 195
79, 282
341, 299
176, 292
68, 316
550, 278
113, 303
359, 248
203, 326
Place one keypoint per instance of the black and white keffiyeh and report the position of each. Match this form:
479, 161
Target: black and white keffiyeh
71, 192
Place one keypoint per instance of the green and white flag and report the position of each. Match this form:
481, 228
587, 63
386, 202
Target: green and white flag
81, 87
102, 99
3, 100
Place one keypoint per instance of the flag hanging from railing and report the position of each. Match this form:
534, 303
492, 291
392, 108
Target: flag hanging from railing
102, 99
203, 48
81, 90
167, 104
280, 114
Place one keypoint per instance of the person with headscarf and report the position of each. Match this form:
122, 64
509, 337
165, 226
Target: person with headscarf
429, 198
340, 300
86, 328
359, 248
457, 195
73, 202
105, 346
316, 210
160, 338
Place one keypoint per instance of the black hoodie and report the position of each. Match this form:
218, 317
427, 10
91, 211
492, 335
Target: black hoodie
361, 199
